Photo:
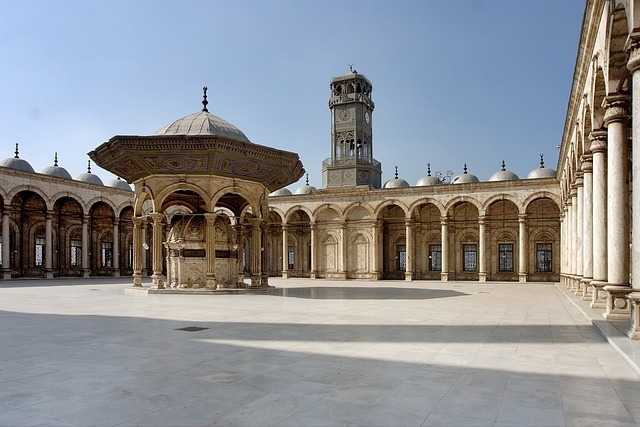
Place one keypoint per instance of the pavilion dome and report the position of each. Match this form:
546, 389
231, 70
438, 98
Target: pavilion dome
56, 170
119, 183
90, 177
204, 123
465, 177
305, 188
396, 182
17, 163
428, 180
280, 192
504, 175
542, 172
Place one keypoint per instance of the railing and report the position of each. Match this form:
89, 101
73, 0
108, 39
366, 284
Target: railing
351, 161
351, 97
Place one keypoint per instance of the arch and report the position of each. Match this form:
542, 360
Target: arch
162, 195
380, 207
278, 213
541, 195
460, 199
292, 210
425, 201
241, 190
28, 188
617, 54
123, 207
349, 211
96, 200
61, 194
328, 213
501, 197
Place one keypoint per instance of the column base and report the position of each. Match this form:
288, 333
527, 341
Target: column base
634, 325
444, 277
482, 277
255, 280
210, 282
6, 275
157, 280
586, 289
313, 274
48, 274
137, 280
522, 277
264, 280
598, 294
617, 304
285, 274
579, 286
408, 276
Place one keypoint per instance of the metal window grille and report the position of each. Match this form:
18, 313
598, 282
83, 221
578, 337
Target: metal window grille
402, 258
76, 253
435, 257
40, 241
544, 260
107, 254
470, 253
291, 257
505, 257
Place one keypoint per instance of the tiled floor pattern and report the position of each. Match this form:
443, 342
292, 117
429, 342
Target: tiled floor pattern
315, 353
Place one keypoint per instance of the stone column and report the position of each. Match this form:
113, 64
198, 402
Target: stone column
6, 247
116, 247
482, 263
408, 274
578, 236
137, 251
522, 248
256, 255
343, 251
156, 250
48, 246
264, 250
210, 251
444, 224
616, 117
569, 240
574, 236
314, 236
377, 237
143, 254
285, 251
563, 255
599, 153
85, 246
634, 65
587, 225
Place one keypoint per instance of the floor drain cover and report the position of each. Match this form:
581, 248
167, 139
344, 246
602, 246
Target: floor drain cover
191, 329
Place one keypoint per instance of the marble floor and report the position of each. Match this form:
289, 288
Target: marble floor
313, 353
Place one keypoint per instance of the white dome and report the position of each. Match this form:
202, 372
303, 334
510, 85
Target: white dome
428, 180
17, 163
304, 189
504, 175
280, 192
542, 173
119, 183
89, 177
203, 123
396, 183
57, 171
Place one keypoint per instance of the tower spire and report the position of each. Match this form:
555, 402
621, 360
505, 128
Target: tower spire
89, 166
465, 167
541, 160
16, 152
503, 166
428, 169
396, 172
55, 159
204, 100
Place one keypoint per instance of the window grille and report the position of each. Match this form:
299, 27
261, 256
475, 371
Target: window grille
402, 258
505, 257
435, 257
40, 241
106, 254
470, 254
76, 253
544, 260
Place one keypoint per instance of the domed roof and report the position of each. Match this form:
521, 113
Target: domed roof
56, 170
465, 177
542, 172
504, 175
203, 123
304, 189
118, 183
17, 163
396, 182
281, 192
89, 177
428, 180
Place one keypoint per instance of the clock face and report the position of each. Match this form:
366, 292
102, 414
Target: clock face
366, 117
345, 115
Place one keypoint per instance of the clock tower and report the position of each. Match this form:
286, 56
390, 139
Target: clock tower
351, 162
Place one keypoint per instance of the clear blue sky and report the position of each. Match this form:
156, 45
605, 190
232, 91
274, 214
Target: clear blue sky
474, 81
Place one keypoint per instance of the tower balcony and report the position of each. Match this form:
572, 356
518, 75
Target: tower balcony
351, 97
351, 161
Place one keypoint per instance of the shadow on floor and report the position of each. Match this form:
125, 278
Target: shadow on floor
364, 293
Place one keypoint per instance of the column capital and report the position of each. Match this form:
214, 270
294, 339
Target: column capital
633, 64
598, 140
157, 217
522, 217
444, 220
313, 226
210, 217
482, 219
408, 222
137, 221
285, 226
617, 108
587, 163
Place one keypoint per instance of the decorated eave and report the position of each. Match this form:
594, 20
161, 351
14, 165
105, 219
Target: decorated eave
138, 157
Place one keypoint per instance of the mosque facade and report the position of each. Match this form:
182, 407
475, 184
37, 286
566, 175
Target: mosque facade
573, 224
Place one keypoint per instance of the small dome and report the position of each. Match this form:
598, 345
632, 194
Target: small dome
56, 170
396, 182
17, 163
542, 172
305, 189
465, 177
504, 175
118, 183
281, 192
89, 177
428, 180
204, 123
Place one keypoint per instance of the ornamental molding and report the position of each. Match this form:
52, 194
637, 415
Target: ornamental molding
633, 64
616, 109
598, 140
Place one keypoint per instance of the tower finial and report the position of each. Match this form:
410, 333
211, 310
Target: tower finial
396, 172
428, 169
55, 159
465, 167
204, 100
307, 179
16, 152
351, 68
503, 166
541, 160
89, 166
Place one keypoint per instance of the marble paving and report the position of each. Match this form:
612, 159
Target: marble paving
313, 353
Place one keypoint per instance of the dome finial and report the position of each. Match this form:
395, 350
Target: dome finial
503, 166
465, 167
396, 173
541, 160
16, 152
204, 100
55, 159
89, 166
307, 179
428, 169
